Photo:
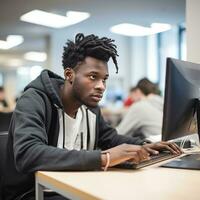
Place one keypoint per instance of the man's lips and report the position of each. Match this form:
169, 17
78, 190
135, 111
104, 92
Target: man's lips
97, 97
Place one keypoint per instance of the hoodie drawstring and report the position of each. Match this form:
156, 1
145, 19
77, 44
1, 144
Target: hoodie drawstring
88, 129
63, 114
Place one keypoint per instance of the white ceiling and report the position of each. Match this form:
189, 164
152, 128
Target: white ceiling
104, 14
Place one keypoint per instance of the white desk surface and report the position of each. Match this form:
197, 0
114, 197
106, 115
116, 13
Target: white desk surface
151, 183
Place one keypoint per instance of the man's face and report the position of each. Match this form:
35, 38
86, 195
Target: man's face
89, 81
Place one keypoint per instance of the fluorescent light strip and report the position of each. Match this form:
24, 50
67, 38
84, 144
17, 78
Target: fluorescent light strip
136, 30
53, 20
35, 56
11, 41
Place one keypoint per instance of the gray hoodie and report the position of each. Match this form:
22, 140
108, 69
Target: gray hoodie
33, 137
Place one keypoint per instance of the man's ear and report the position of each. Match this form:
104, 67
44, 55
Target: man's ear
69, 75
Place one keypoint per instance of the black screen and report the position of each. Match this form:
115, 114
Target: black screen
181, 99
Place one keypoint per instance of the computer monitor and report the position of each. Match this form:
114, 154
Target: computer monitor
181, 115
181, 100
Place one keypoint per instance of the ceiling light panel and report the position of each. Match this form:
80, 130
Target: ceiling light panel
136, 30
11, 41
53, 20
35, 56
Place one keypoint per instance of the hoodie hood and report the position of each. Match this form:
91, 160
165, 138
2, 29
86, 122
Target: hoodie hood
48, 83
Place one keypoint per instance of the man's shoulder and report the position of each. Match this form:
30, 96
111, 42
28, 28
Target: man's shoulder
32, 98
32, 93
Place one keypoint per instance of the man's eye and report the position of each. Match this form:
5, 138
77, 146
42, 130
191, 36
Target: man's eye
92, 77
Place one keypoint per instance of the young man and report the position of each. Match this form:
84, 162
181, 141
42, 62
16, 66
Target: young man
57, 124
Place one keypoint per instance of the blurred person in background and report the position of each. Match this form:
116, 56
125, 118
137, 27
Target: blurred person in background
130, 98
144, 118
3, 102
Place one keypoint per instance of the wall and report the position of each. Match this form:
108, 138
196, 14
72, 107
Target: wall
193, 30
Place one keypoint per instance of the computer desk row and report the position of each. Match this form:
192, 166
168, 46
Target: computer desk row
149, 183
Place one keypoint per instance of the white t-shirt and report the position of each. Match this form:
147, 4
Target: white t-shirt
75, 130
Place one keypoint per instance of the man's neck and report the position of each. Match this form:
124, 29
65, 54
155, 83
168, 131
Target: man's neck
70, 104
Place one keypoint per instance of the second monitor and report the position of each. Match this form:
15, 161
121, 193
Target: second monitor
181, 115
181, 103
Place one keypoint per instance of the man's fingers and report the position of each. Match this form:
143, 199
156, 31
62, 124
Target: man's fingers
135, 157
139, 155
170, 146
175, 147
151, 151
144, 154
141, 152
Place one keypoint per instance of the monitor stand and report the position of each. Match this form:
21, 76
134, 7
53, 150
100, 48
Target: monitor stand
189, 161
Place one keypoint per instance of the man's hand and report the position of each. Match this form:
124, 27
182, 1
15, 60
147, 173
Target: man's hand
125, 152
154, 148
136, 153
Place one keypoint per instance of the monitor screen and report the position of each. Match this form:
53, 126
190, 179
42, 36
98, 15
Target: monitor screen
182, 91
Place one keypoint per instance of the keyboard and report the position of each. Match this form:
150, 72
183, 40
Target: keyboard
153, 159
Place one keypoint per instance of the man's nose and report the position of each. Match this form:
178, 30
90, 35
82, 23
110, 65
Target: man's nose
100, 85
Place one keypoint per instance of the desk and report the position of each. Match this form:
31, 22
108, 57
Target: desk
151, 183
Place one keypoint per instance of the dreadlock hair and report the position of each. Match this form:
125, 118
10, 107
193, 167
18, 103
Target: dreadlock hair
90, 45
